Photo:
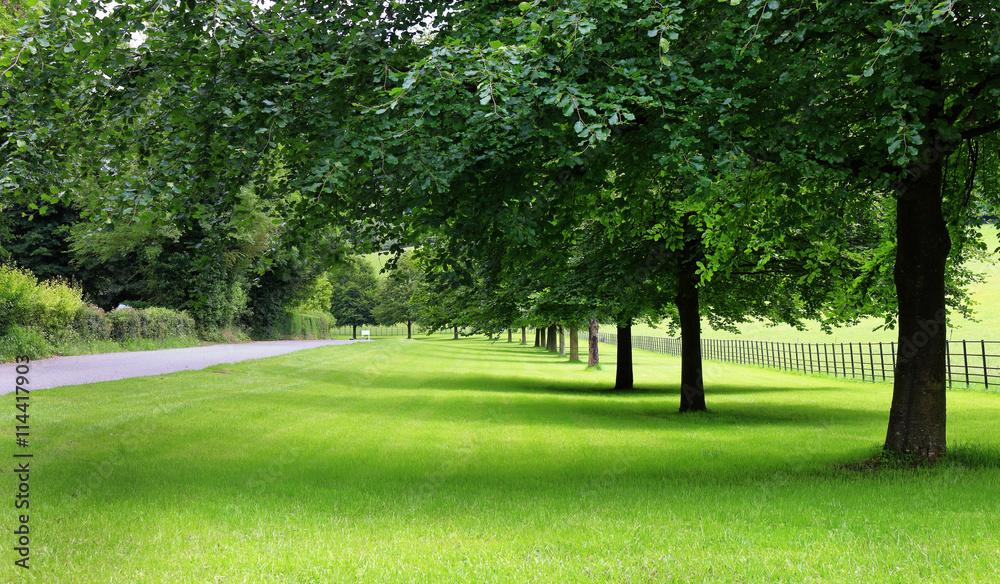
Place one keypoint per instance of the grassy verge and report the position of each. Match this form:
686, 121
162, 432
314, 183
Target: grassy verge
434, 460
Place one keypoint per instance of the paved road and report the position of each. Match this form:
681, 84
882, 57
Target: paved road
58, 371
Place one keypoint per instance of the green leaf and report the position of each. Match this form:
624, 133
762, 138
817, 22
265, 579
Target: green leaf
869, 71
496, 44
524, 6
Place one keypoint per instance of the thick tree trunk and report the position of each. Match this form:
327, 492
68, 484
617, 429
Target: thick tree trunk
550, 338
917, 414
692, 384
542, 337
538, 338
623, 374
354, 334
574, 343
409, 329
510, 335
593, 358
524, 335
562, 341
456, 333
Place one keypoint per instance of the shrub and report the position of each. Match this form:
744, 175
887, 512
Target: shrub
49, 306
314, 325
91, 322
160, 323
53, 305
126, 324
16, 287
22, 340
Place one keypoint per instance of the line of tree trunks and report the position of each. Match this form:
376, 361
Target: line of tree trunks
917, 414
574, 343
593, 357
623, 373
550, 337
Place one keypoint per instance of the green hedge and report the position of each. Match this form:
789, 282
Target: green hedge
128, 323
314, 325
48, 306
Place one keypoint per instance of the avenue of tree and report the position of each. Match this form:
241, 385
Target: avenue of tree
571, 162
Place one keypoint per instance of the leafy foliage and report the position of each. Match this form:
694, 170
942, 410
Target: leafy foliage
394, 302
354, 289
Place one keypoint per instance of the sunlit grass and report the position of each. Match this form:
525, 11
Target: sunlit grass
435, 460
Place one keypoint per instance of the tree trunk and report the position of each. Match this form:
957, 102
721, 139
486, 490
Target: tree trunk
917, 414
550, 338
524, 335
562, 341
510, 335
542, 338
692, 384
354, 334
574, 344
456, 332
593, 358
409, 329
623, 374
538, 338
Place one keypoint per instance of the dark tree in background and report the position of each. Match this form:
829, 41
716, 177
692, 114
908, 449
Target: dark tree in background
353, 299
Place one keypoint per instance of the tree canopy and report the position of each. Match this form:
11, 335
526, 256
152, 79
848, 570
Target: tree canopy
815, 142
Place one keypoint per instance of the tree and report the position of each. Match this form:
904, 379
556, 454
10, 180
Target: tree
395, 303
354, 290
901, 103
42, 244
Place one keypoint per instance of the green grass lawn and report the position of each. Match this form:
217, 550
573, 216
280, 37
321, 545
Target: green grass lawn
439, 461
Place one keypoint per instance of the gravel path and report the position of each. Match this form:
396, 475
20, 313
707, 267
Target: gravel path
58, 371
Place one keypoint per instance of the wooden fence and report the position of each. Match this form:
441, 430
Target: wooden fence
970, 363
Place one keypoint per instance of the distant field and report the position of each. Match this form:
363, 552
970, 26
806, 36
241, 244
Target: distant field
986, 294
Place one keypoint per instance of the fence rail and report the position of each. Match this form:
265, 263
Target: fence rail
970, 363
377, 331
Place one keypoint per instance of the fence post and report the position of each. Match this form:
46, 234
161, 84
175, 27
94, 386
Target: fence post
965, 356
986, 376
947, 356
881, 357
